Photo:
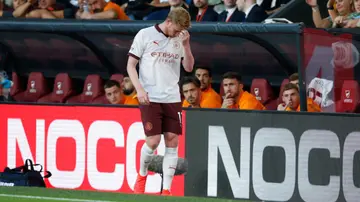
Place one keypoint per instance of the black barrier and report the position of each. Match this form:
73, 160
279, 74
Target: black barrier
273, 157
84, 47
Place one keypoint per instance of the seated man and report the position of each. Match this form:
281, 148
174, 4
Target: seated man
235, 96
194, 98
294, 79
205, 77
129, 92
291, 97
113, 94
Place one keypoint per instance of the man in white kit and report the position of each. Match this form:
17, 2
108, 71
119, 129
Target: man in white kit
159, 50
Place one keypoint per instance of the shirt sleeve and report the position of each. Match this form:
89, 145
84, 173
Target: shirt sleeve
137, 47
185, 103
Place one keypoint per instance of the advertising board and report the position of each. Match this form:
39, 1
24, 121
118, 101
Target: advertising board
85, 148
273, 157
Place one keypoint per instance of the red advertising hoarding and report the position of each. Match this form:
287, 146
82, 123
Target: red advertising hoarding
85, 148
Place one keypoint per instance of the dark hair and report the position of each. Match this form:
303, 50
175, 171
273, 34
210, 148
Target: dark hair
232, 75
190, 79
111, 83
290, 86
205, 68
294, 77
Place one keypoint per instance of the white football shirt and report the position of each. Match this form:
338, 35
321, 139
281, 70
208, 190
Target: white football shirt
159, 64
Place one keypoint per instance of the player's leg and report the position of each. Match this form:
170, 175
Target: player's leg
172, 129
151, 118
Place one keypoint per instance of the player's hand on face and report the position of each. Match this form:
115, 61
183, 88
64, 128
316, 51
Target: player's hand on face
282, 107
185, 37
228, 101
143, 97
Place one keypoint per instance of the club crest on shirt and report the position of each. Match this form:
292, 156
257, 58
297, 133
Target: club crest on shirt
176, 44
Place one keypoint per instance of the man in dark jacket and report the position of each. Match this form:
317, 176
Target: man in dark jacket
231, 13
253, 12
201, 11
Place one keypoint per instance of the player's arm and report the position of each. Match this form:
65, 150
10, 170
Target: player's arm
131, 69
188, 61
108, 14
135, 53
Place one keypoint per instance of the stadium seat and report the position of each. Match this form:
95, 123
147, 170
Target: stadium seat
279, 100
117, 77
93, 88
102, 99
349, 97
17, 87
36, 88
62, 90
263, 92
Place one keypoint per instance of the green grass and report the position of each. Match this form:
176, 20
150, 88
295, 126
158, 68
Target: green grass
7, 193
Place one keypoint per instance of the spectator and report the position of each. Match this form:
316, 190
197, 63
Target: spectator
163, 13
33, 8
253, 12
68, 13
129, 92
231, 13
20, 8
201, 11
291, 98
344, 9
98, 9
235, 96
347, 21
194, 97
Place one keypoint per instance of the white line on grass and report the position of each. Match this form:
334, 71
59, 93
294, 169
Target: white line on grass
51, 198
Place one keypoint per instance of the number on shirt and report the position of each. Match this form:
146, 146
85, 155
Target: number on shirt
180, 117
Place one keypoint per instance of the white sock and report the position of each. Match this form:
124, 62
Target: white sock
146, 155
169, 166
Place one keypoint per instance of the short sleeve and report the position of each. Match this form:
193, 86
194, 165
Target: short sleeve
137, 47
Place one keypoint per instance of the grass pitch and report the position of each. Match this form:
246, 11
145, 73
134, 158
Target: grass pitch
22, 194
